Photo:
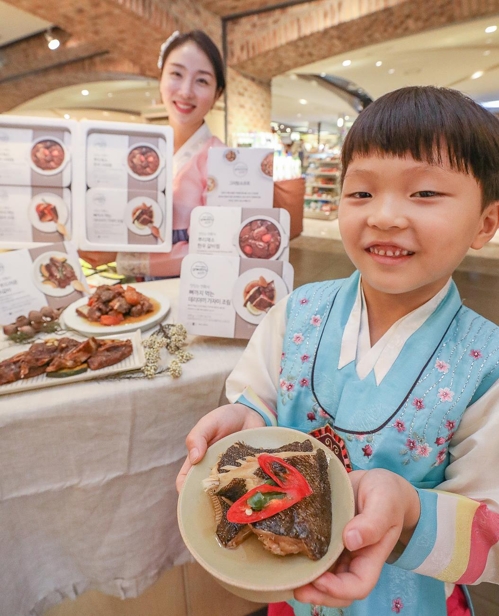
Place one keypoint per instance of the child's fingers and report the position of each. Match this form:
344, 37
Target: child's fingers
186, 467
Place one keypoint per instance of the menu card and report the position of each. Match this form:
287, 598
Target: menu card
228, 296
36, 175
241, 177
125, 180
44, 276
250, 233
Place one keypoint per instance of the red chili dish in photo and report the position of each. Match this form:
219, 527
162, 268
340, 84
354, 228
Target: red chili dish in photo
47, 155
260, 239
143, 161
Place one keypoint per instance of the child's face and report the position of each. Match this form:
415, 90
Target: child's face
406, 225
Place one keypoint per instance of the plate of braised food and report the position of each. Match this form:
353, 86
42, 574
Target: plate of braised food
264, 511
57, 360
115, 309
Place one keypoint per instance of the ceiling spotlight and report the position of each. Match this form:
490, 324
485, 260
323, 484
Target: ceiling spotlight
490, 29
52, 42
302, 101
379, 63
340, 122
67, 116
477, 75
85, 92
391, 71
346, 62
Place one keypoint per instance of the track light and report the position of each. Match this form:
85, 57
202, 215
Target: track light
53, 43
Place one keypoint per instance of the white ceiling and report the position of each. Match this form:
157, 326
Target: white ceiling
445, 57
16, 24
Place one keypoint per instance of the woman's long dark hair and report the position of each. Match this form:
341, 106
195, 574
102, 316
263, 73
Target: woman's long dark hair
204, 42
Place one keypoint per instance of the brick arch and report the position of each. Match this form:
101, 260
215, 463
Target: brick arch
288, 38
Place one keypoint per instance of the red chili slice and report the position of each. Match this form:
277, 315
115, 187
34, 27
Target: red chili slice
291, 488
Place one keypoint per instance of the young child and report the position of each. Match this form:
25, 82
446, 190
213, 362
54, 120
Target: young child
392, 365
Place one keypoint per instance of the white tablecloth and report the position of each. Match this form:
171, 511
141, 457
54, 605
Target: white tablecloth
87, 470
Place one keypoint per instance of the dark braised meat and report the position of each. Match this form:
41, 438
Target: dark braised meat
73, 356
260, 239
110, 301
63, 353
143, 215
47, 155
57, 272
259, 295
143, 160
110, 352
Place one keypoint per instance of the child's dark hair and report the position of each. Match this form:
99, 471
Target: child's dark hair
204, 42
425, 121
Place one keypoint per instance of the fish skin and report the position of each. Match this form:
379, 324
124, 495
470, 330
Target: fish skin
307, 523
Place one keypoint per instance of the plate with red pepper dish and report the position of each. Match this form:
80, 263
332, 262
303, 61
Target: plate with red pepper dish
115, 309
264, 511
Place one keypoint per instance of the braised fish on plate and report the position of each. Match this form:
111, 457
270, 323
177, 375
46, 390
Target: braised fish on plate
283, 496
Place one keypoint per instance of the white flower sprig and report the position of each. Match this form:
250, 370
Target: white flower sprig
165, 46
173, 338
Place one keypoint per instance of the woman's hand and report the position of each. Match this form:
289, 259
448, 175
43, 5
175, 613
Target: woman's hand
388, 510
212, 427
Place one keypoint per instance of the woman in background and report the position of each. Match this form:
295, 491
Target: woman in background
192, 80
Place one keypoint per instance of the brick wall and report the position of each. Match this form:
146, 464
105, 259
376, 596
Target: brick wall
248, 103
115, 38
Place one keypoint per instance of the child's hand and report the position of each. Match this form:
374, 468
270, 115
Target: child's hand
388, 510
212, 427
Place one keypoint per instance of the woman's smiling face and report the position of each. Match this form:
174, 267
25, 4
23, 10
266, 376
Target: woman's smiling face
188, 86
406, 225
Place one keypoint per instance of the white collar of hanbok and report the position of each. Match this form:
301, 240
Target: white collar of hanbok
191, 147
356, 344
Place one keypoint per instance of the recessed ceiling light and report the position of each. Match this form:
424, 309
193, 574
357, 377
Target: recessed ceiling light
281, 126
288, 130
477, 75
67, 116
490, 29
391, 71
340, 122
346, 62
85, 92
302, 101
379, 63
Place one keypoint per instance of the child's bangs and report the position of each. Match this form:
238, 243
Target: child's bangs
410, 127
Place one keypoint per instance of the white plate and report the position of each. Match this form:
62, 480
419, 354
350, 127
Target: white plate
72, 320
249, 570
38, 278
60, 205
151, 176
135, 361
281, 290
157, 215
65, 160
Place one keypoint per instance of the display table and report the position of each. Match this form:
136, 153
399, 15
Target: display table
87, 483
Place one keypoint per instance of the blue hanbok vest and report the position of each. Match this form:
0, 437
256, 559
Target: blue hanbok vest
404, 424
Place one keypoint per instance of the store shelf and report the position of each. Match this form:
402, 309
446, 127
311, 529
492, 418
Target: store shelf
325, 204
